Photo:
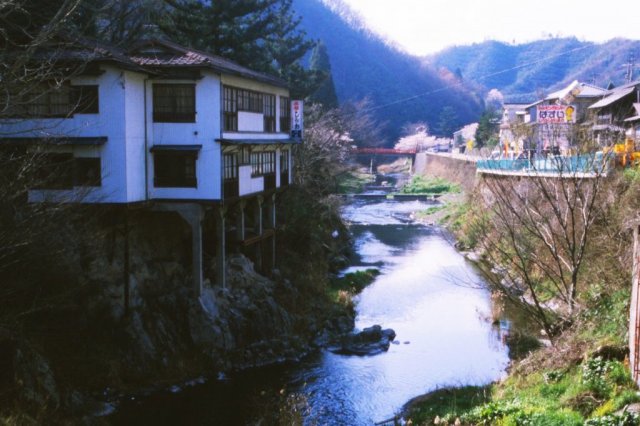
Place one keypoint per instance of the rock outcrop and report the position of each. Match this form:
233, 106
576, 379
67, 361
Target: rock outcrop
370, 341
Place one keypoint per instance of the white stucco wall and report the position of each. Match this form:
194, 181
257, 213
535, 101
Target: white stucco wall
109, 122
250, 121
247, 183
135, 147
204, 131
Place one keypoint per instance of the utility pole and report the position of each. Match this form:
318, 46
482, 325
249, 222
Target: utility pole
628, 76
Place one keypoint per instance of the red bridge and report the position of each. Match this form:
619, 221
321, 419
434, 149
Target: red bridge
384, 151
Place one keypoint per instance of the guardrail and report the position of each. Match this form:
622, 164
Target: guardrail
585, 165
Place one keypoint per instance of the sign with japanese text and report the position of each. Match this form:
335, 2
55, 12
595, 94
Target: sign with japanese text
297, 120
556, 114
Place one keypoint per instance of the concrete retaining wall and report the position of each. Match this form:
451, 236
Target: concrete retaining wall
454, 168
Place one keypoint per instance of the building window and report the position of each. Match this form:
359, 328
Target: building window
250, 101
87, 172
54, 171
284, 168
49, 102
175, 169
235, 99
230, 166
230, 109
174, 103
244, 156
269, 113
44, 101
284, 161
86, 100
63, 171
263, 163
285, 114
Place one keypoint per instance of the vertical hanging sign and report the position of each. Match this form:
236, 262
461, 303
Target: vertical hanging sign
297, 122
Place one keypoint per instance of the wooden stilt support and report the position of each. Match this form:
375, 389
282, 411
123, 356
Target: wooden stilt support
126, 268
221, 246
241, 226
259, 229
271, 224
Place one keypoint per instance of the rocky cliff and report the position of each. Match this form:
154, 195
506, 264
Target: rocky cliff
100, 343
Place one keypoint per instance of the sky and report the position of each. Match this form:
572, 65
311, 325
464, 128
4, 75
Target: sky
427, 26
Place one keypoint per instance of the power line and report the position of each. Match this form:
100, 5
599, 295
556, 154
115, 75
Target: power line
460, 83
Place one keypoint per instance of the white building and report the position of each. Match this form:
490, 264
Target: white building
552, 119
168, 127
162, 123
512, 118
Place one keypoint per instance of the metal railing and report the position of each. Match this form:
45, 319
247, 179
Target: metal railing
586, 164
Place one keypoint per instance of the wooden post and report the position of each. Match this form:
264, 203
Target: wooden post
126, 266
221, 247
271, 223
257, 223
241, 222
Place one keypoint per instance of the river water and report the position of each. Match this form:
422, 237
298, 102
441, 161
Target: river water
426, 292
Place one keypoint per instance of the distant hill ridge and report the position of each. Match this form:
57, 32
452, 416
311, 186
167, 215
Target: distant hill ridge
408, 89
403, 87
523, 72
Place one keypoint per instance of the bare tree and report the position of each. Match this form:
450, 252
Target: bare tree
537, 228
323, 156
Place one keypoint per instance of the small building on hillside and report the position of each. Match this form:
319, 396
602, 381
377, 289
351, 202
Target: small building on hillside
553, 120
464, 139
511, 137
168, 128
615, 115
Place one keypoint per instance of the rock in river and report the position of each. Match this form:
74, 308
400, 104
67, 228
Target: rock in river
370, 341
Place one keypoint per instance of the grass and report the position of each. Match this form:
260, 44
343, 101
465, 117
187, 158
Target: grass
446, 404
342, 289
353, 182
591, 392
420, 185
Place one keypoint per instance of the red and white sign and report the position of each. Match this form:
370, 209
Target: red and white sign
297, 119
556, 114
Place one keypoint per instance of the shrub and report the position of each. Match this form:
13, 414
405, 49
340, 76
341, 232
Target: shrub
625, 419
424, 185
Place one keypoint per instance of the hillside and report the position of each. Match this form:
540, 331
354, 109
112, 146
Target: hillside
522, 71
364, 66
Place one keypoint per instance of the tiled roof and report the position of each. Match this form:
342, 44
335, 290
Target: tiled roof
151, 56
583, 90
165, 54
614, 96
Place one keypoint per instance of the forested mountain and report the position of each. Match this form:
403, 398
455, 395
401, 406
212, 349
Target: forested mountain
402, 88
522, 72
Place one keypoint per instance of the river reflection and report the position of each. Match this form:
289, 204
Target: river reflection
426, 292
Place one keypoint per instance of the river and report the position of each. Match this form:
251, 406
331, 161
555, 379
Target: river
427, 292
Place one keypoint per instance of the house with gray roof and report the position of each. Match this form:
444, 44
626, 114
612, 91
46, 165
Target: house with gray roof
616, 115
553, 120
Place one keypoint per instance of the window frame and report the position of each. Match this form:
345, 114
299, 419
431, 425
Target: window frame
230, 165
285, 114
263, 163
168, 164
269, 113
176, 112
56, 101
91, 164
63, 171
